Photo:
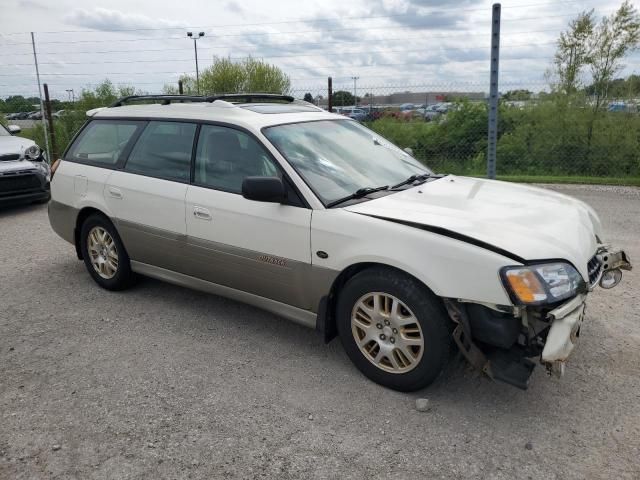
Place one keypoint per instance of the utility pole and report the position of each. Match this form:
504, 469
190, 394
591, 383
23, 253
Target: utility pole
195, 49
330, 97
355, 92
72, 97
47, 103
493, 91
44, 121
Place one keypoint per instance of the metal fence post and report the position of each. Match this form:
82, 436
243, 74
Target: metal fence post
47, 109
493, 91
330, 99
44, 126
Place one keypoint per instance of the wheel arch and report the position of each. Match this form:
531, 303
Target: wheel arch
83, 214
326, 321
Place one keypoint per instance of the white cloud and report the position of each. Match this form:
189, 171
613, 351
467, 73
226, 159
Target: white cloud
108, 20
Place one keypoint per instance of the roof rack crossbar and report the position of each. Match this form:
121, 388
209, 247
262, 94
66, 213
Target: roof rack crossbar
250, 97
165, 99
237, 97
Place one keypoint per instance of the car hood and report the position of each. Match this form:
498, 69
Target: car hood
11, 144
528, 222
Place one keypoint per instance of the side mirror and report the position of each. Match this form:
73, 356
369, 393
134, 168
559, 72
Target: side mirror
263, 189
13, 129
409, 151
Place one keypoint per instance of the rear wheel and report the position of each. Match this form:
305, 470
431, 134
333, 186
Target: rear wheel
104, 254
393, 328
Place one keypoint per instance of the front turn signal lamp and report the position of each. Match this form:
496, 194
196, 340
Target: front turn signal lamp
542, 283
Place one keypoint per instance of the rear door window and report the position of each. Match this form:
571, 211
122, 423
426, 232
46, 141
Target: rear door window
103, 142
164, 151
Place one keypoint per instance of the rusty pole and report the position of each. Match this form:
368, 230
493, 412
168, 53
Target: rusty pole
47, 106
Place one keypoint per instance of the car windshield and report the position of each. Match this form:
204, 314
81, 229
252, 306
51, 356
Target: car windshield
338, 157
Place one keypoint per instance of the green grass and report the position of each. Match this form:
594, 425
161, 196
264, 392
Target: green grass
634, 181
28, 133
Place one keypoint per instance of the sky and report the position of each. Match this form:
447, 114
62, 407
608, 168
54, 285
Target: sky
390, 45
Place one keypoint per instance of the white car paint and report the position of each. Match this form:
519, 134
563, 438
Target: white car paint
11, 144
509, 224
532, 223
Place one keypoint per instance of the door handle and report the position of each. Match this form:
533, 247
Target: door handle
115, 192
201, 213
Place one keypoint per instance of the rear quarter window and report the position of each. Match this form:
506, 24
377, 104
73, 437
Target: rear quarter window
103, 142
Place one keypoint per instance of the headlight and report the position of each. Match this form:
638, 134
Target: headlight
32, 152
541, 283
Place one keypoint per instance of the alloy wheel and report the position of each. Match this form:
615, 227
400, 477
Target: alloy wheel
103, 252
387, 333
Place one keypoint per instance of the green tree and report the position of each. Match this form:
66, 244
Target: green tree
227, 76
515, 95
614, 38
572, 52
342, 98
308, 97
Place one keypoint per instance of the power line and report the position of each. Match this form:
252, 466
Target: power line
278, 45
246, 34
366, 52
301, 20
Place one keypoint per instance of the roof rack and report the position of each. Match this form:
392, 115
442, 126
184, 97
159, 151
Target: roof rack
251, 97
165, 99
229, 97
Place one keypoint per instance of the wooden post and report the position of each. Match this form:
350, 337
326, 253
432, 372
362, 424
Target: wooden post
330, 100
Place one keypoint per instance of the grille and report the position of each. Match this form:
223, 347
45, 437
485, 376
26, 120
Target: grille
594, 267
15, 183
13, 156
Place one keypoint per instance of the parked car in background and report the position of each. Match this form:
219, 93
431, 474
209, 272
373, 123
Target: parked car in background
626, 107
35, 116
359, 114
24, 171
356, 113
407, 107
22, 115
313, 216
58, 114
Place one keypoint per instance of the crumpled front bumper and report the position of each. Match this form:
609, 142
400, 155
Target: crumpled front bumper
567, 318
563, 334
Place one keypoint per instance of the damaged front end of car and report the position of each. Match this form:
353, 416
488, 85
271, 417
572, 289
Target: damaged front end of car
543, 322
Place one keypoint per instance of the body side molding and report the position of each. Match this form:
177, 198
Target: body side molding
297, 315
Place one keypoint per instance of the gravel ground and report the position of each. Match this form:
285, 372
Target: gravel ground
164, 382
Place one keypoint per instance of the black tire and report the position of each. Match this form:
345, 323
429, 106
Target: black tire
426, 307
123, 278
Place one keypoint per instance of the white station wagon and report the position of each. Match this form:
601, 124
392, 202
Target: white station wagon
310, 215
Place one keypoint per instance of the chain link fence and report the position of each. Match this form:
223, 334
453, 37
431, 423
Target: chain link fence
540, 138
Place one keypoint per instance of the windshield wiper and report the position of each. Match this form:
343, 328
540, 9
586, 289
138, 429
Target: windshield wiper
412, 179
361, 192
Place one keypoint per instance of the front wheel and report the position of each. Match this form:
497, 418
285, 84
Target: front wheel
104, 254
393, 329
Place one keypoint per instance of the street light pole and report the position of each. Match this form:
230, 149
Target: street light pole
72, 97
355, 92
195, 49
